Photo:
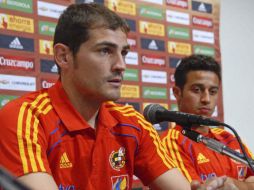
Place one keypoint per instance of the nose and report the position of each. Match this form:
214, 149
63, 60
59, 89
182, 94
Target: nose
119, 63
205, 98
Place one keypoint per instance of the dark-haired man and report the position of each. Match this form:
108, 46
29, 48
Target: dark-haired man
197, 83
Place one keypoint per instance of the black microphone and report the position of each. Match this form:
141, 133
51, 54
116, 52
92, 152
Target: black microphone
155, 113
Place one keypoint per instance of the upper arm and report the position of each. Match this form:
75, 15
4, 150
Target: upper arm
38, 181
171, 180
23, 142
180, 155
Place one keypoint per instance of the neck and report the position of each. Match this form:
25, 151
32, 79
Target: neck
88, 108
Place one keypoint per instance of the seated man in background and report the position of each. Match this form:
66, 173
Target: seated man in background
72, 136
197, 83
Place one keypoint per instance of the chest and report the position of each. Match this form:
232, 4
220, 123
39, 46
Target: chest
209, 163
89, 158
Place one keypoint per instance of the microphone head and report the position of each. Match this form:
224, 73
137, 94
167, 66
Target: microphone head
150, 112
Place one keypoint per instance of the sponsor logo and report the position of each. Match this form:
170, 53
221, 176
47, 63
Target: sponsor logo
117, 159
66, 187
177, 17
4, 99
171, 94
129, 91
202, 22
132, 24
154, 93
161, 126
179, 48
47, 83
160, 2
202, 159
159, 77
151, 12
215, 114
47, 28
173, 107
46, 47
202, 7
171, 78
204, 50
17, 43
121, 6
132, 41
16, 23
50, 9
64, 161
131, 75
18, 83
89, 1
151, 28
173, 62
153, 60
120, 182
18, 5
203, 36
241, 171
205, 177
178, 3
152, 44
48, 66
16, 62
178, 32
132, 58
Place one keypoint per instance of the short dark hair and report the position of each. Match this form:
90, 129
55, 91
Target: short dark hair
195, 63
75, 22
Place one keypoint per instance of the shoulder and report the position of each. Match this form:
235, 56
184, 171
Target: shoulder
173, 133
26, 102
221, 132
127, 114
123, 112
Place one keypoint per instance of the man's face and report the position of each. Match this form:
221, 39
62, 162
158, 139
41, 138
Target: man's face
200, 93
97, 68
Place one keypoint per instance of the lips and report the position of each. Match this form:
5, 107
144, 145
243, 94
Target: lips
115, 82
204, 111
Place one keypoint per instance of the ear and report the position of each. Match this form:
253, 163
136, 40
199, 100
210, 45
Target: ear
62, 55
177, 93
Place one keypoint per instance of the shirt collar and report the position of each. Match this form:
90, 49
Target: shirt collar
68, 114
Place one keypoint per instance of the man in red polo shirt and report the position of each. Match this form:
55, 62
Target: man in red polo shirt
72, 136
197, 82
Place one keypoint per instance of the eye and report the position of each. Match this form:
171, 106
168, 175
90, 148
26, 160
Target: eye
213, 91
105, 51
124, 53
196, 89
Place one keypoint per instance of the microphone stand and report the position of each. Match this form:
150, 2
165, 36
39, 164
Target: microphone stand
217, 146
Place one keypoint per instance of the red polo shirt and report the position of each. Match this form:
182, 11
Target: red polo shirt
42, 132
198, 162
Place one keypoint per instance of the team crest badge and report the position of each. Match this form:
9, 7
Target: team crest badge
117, 159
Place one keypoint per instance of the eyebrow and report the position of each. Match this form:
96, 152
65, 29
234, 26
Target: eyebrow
201, 85
110, 44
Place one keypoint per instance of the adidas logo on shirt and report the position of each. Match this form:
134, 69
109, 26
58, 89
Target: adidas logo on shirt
16, 44
202, 159
64, 161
